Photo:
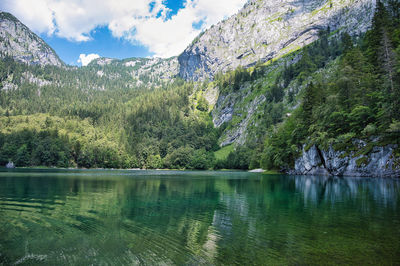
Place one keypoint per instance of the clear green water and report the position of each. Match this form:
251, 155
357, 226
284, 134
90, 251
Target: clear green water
165, 217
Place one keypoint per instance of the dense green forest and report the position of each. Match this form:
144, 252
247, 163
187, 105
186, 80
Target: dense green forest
65, 118
115, 128
74, 117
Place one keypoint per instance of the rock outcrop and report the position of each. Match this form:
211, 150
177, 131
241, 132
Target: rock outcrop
238, 133
10, 165
264, 30
20, 43
379, 162
153, 68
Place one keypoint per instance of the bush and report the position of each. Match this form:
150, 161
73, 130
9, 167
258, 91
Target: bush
202, 104
369, 130
179, 158
202, 160
154, 162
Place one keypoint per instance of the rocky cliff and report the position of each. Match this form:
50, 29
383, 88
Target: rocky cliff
380, 161
18, 42
154, 68
264, 30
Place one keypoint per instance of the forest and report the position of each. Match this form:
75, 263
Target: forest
65, 121
72, 117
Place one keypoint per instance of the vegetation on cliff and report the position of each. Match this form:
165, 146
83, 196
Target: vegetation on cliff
359, 99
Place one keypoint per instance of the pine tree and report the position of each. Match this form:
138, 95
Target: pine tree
382, 54
309, 100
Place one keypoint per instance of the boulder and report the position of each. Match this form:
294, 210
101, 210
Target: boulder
10, 165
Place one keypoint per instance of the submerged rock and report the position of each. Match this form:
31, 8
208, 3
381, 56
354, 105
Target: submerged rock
380, 162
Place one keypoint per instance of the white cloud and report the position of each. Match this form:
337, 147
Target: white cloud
144, 22
86, 59
170, 37
35, 14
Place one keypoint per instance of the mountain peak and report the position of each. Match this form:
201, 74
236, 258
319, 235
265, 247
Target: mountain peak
20, 43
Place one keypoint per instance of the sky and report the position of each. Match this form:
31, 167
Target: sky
82, 30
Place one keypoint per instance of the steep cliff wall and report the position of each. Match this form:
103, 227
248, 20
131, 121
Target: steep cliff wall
268, 29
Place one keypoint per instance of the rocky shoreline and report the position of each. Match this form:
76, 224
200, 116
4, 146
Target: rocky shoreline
379, 162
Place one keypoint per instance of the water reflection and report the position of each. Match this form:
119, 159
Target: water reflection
316, 189
122, 217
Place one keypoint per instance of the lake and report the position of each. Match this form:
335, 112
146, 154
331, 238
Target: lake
113, 217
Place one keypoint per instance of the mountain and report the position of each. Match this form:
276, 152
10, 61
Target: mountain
20, 43
266, 30
131, 113
318, 94
323, 106
144, 70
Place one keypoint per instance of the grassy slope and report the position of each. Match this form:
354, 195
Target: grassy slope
223, 153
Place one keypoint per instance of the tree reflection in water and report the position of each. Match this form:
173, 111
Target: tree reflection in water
154, 217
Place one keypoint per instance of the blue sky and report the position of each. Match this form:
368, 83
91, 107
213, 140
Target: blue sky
103, 43
80, 30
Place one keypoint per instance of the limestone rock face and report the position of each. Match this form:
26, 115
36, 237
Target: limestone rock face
238, 134
310, 163
10, 165
380, 162
18, 42
267, 29
155, 68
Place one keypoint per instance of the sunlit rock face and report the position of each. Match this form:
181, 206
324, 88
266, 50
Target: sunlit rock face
153, 68
263, 30
18, 42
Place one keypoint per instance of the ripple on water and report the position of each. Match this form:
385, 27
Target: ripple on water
93, 218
